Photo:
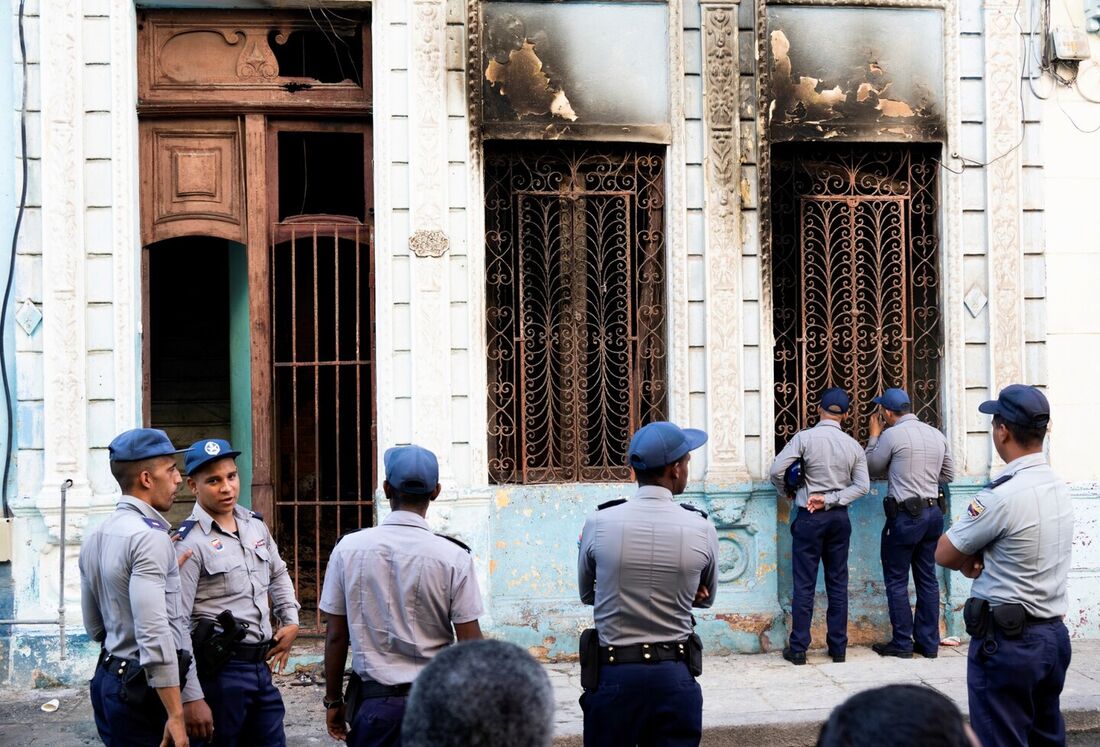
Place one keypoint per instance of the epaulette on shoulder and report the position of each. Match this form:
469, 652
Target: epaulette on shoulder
611, 504
155, 524
185, 528
257, 515
458, 542
1000, 481
696, 509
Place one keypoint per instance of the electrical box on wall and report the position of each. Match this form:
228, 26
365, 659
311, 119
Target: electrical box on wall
1068, 45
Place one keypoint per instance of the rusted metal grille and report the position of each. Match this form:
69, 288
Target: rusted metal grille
575, 246
856, 279
321, 340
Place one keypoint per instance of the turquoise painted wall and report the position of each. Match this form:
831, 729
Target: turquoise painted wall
240, 367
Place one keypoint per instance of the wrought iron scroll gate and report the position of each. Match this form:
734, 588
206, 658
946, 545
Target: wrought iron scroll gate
856, 279
576, 312
321, 339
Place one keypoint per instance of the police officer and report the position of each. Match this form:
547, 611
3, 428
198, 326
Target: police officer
233, 566
130, 599
835, 474
914, 457
1015, 541
401, 595
643, 564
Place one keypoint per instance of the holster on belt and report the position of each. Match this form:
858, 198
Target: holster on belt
944, 497
914, 506
976, 617
353, 697
590, 659
135, 685
890, 507
695, 654
1010, 618
213, 649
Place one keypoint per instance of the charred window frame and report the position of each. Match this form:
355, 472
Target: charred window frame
576, 311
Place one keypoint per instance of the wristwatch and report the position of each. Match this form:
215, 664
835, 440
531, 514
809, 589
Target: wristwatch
338, 703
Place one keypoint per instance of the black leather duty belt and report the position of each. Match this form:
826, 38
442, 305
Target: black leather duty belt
372, 689
644, 653
253, 653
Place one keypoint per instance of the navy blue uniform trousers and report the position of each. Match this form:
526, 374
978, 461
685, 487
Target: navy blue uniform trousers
1013, 692
910, 544
644, 705
247, 707
377, 723
820, 537
121, 724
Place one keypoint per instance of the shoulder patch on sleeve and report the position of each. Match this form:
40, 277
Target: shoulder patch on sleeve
975, 509
155, 524
185, 528
693, 507
1000, 481
458, 542
611, 504
257, 515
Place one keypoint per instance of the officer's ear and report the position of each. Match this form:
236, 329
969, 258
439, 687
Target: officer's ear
436, 492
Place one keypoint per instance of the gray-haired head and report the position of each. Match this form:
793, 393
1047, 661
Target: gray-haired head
480, 694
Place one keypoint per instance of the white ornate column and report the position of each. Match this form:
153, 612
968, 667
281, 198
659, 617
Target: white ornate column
1003, 129
725, 389
63, 292
125, 236
428, 242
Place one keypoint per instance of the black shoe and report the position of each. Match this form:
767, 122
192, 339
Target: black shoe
837, 658
794, 657
926, 654
888, 649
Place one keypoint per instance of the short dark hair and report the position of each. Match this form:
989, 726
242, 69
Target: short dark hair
126, 473
486, 693
651, 476
912, 716
410, 499
901, 409
1022, 434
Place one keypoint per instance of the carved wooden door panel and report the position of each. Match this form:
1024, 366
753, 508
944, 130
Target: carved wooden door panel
191, 179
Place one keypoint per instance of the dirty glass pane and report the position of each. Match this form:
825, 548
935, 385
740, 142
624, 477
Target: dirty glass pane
856, 73
575, 63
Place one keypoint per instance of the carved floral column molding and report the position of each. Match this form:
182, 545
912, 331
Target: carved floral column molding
65, 432
428, 243
1004, 116
722, 174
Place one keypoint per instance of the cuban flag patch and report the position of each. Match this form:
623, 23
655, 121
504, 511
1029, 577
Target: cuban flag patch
217, 545
975, 508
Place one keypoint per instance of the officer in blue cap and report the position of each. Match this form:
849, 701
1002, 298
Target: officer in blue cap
233, 581
915, 459
399, 594
130, 599
643, 564
1015, 541
834, 474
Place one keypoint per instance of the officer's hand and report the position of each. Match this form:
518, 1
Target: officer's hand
279, 654
874, 427
816, 502
175, 733
199, 719
702, 594
184, 557
972, 566
337, 727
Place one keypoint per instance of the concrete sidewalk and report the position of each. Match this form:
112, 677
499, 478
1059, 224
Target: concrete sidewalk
755, 699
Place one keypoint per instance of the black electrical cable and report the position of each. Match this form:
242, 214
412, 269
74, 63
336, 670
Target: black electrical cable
11, 266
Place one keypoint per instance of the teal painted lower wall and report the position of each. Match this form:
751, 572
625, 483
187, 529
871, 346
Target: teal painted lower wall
525, 544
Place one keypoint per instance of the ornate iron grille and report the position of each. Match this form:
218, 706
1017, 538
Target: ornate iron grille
322, 335
575, 247
856, 279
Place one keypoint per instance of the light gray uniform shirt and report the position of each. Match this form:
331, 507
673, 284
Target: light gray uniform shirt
641, 563
1023, 528
833, 464
239, 573
402, 589
130, 591
913, 456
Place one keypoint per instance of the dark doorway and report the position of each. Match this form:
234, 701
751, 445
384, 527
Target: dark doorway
856, 278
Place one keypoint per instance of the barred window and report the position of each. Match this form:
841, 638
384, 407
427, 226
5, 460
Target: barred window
575, 286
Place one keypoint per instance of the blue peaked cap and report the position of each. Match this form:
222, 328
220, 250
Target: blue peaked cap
663, 443
141, 443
